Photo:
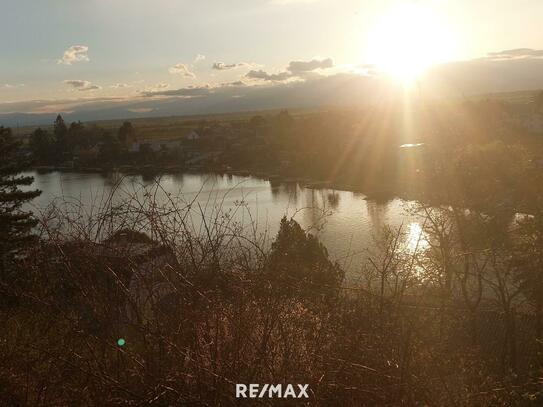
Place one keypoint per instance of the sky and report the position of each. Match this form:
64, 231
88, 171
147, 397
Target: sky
66, 55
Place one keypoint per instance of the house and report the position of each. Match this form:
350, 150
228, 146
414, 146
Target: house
192, 136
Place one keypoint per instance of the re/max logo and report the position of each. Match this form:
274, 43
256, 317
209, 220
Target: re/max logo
253, 391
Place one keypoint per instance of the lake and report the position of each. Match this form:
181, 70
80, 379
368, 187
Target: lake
348, 229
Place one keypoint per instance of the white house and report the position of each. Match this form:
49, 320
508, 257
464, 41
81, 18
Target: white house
192, 136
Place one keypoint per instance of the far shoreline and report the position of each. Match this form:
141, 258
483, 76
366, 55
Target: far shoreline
382, 193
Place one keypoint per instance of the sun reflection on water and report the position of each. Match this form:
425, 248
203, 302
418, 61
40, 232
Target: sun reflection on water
416, 238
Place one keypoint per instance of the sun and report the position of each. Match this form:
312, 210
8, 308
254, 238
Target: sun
408, 40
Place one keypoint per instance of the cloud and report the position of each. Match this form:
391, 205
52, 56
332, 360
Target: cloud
516, 53
181, 69
295, 69
199, 58
221, 66
120, 86
298, 67
263, 75
195, 91
82, 85
14, 85
233, 84
340, 89
154, 88
455, 79
189, 91
76, 53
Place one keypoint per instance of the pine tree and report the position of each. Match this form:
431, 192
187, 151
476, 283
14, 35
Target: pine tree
61, 134
15, 224
126, 133
42, 145
299, 263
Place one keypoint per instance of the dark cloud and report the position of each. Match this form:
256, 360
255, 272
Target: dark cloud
189, 91
221, 66
262, 75
81, 85
233, 84
297, 67
228, 97
194, 91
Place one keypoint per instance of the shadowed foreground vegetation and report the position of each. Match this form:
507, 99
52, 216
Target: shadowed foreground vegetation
451, 320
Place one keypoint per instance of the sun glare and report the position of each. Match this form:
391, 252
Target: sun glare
407, 40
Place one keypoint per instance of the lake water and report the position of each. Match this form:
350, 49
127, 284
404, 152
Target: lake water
348, 229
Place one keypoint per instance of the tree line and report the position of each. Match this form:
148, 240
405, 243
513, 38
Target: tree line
60, 144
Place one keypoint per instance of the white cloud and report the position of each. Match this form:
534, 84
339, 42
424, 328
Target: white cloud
199, 58
221, 66
13, 85
120, 86
76, 53
81, 85
181, 69
155, 88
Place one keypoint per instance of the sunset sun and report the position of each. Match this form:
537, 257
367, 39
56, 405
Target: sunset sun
407, 40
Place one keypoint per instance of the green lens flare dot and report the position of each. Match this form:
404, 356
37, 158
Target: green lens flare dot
121, 342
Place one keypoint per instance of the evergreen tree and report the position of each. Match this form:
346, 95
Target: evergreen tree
299, 264
15, 224
77, 136
110, 149
126, 133
42, 145
61, 132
